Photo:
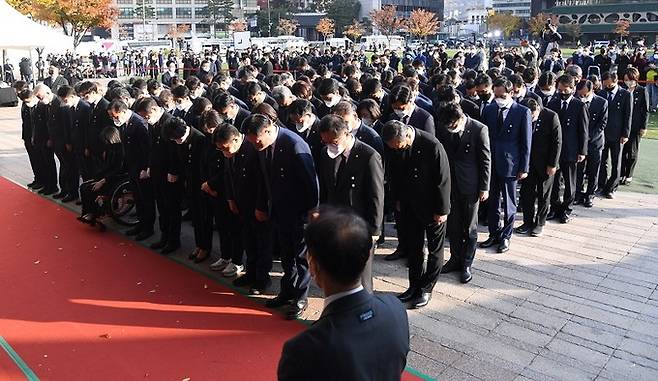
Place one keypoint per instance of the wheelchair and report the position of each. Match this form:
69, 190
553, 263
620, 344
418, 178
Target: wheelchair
118, 204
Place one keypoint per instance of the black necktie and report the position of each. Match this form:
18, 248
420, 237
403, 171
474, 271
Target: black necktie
564, 106
269, 155
610, 96
500, 117
341, 166
405, 119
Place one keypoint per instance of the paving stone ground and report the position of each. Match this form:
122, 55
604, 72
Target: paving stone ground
579, 303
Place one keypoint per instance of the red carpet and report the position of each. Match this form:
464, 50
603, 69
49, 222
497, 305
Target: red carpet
77, 304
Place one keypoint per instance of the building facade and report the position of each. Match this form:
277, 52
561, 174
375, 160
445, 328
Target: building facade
520, 8
598, 18
541, 6
163, 14
403, 7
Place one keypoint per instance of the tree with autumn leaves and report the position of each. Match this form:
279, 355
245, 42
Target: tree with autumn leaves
387, 21
422, 23
287, 27
326, 27
354, 30
76, 17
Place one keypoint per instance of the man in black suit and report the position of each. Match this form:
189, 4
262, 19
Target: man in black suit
420, 190
304, 123
42, 116
54, 81
617, 132
553, 63
81, 113
510, 137
639, 120
365, 134
358, 336
544, 159
574, 122
92, 93
466, 142
158, 164
445, 95
243, 181
598, 119
406, 111
483, 84
136, 143
67, 142
29, 103
351, 174
291, 193
226, 105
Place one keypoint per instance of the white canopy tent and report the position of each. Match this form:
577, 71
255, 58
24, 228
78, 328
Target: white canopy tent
17, 31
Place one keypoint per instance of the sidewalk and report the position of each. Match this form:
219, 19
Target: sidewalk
579, 303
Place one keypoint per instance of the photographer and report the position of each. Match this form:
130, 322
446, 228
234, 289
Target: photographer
550, 39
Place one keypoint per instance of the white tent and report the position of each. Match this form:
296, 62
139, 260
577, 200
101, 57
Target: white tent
17, 31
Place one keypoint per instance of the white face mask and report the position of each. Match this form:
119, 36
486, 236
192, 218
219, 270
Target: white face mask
367, 122
117, 122
334, 150
501, 102
630, 84
459, 128
155, 117
301, 127
548, 93
334, 101
399, 113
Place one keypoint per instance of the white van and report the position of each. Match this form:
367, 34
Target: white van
379, 41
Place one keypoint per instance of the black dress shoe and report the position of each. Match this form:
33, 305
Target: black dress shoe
420, 300
36, 186
59, 195
491, 241
69, 198
277, 301
243, 281
588, 203
537, 231
408, 295
159, 245
551, 216
296, 309
609, 195
565, 218
394, 256
170, 248
143, 235
260, 287
450, 266
32, 184
523, 229
466, 275
48, 191
504, 246
78, 202
134, 231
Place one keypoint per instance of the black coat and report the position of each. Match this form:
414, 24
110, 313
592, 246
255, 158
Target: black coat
640, 112
420, 177
598, 119
575, 128
136, 143
185, 161
243, 179
357, 337
81, 116
370, 137
240, 118
546, 142
99, 120
359, 186
26, 125
419, 119
40, 124
160, 149
469, 155
619, 115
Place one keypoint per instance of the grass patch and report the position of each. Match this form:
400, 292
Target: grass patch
652, 128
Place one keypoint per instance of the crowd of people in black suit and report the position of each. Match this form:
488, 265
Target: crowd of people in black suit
435, 145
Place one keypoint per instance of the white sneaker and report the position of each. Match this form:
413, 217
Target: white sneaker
232, 270
220, 264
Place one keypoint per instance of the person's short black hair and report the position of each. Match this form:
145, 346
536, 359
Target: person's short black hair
611, 75
546, 78
117, 105
585, 84
65, 91
532, 104
145, 104
180, 92
343, 108
517, 80
300, 107
449, 115
328, 86
175, 128
253, 88
394, 129
504, 83
86, 87
483, 79
153, 84
224, 132
140, 83
566, 80
446, 93
339, 241
110, 135
530, 74
223, 100
402, 94
117, 93
332, 123
255, 124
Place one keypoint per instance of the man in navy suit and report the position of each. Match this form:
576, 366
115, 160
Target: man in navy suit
598, 119
510, 135
358, 336
574, 122
291, 194
617, 132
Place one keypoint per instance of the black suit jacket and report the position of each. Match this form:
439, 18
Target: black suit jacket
619, 115
160, 149
186, 159
546, 142
243, 179
240, 118
370, 137
136, 143
55, 85
598, 120
419, 119
26, 126
575, 127
420, 177
359, 186
312, 137
470, 108
358, 337
469, 155
640, 110
99, 120
81, 116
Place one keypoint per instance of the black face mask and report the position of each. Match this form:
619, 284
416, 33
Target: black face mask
565, 96
485, 97
610, 88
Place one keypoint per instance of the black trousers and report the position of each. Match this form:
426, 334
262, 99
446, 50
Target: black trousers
610, 184
630, 154
537, 188
174, 193
257, 238
422, 275
68, 172
88, 196
214, 211
144, 202
48, 167
588, 169
463, 227
566, 173
160, 185
296, 276
35, 160
85, 168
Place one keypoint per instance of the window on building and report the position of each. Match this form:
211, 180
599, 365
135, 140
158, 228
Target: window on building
184, 13
126, 13
202, 28
124, 1
165, 1
200, 13
165, 13
183, 1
